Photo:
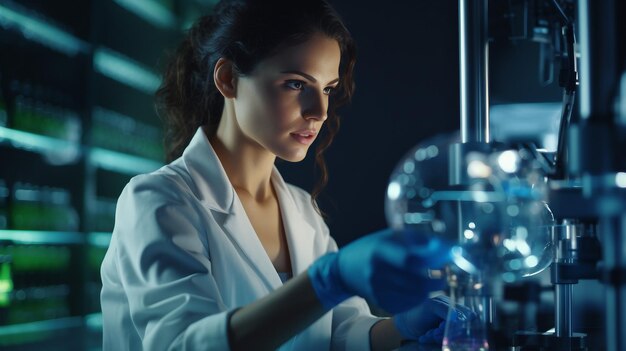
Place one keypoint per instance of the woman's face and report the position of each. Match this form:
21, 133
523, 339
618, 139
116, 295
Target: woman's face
283, 103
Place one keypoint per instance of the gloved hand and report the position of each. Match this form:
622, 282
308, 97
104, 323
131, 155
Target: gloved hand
426, 322
386, 268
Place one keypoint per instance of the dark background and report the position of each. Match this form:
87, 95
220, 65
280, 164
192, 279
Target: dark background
407, 89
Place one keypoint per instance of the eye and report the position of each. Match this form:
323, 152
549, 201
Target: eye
295, 84
329, 90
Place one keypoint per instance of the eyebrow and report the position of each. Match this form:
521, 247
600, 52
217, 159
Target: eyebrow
309, 77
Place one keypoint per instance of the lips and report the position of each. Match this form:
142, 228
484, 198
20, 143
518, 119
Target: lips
305, 137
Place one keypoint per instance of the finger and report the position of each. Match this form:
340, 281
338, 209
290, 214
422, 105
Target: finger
439, 332
440, 305
462, 313
428, 337
465, 313
443, 302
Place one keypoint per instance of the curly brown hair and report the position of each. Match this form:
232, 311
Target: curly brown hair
246, 32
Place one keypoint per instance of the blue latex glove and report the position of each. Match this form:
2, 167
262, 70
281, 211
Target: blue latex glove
426, 323
386, 268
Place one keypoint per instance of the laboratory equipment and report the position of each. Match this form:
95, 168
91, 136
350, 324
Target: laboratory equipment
572, 200
505, 230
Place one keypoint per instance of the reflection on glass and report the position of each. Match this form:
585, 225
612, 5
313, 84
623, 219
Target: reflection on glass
488, 201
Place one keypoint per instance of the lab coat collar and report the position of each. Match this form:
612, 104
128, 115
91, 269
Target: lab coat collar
216, 192
300, 233
213, 188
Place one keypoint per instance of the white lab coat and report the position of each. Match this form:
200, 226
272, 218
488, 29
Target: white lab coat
183, 254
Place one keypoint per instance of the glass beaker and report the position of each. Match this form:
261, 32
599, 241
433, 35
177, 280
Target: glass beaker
467, 321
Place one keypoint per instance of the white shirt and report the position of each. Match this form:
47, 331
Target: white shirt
184, 253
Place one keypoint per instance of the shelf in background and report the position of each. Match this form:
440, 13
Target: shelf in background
150, 11
99, 239
41, 237
120, 68
122, 163
41, 326
61, 149
40, 31
69, 152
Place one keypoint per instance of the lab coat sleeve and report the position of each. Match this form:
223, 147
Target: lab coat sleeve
352, 321
165, 268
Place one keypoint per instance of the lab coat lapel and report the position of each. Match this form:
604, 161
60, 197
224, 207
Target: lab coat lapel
300, 234
215, 191
238, 227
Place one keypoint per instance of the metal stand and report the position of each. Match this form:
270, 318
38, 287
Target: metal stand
593, 159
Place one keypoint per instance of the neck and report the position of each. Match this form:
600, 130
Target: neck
248, 165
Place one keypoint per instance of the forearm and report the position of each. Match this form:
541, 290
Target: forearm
269, 322
385, 336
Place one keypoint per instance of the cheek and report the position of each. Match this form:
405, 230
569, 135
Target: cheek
250, 107
277, 109
265, 110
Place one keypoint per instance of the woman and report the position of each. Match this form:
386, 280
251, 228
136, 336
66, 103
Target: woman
204, 249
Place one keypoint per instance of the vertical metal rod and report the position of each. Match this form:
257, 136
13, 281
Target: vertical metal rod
474, 70
620, 302
490, 310
563, 325
566, 251
599, 40
598, 58
622, 100
614, 257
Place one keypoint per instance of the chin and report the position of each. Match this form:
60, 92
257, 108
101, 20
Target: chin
294, 156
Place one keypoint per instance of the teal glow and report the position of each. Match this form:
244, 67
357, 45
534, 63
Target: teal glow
41, 237
124, 70
40, 143
150, 11
99, 239
122, 163
94, 321
41, 326
44, 33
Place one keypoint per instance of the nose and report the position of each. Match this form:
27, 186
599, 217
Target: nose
315, 105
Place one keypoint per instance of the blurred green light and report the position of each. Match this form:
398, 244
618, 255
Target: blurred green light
6, 284
6, 281
5, 299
